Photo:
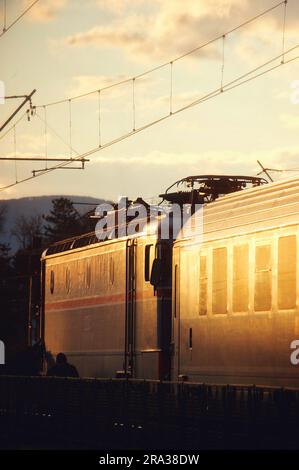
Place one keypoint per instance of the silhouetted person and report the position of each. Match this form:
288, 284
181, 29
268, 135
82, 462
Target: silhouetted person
62, 368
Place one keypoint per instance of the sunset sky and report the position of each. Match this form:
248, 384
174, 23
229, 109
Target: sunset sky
64, 48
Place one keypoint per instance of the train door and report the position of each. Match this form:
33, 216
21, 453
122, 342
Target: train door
175, 363
164, 302
130, 307
42, 301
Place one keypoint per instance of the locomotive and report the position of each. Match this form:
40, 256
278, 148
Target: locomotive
219, 306
100, 307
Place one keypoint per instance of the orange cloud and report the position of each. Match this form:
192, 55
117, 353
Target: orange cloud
169, 28
45, 10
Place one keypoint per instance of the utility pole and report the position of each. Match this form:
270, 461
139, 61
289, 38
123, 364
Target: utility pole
27, 98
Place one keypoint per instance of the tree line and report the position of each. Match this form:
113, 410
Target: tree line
20, 272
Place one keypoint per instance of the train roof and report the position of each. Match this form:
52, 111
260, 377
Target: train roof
201, 189
257, 208
251, 210
145, 225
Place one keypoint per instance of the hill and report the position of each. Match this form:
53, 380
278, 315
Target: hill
39, 205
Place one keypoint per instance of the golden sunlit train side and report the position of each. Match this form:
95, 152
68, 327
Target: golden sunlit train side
101, 310
218, 306
235, 290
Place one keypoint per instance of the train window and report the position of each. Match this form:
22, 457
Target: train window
147, 259
287, 272
88, 275
263, 278
111, 270
190, 338
176, 290
240, 278
67, 280
203, 285
164, 253
219, 304
52, 284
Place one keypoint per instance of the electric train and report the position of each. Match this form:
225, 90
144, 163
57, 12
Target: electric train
216, 306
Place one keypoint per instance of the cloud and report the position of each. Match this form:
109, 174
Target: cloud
166, 29
149, 174
212, 161
118, 7
82, 84
45, 10
130, 33
32, 143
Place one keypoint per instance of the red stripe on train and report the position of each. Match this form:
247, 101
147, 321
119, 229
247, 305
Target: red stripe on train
85, 302
99, 300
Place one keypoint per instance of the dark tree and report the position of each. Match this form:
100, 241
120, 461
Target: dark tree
7, 292
2, 217
4, 260
27, 230
63, 221
5, 267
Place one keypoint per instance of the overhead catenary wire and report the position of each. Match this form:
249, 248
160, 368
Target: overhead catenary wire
6, 28
171, 87
50, 128
4, 15
282, 170
15, 151
46, 136
201, 99
15, 124
99, 120
284, 28
47, 127
70, 127
166, 64
223, 61
241, 80
133, 104
67, 144
27, 99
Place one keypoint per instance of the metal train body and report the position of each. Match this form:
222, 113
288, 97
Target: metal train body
101, 310
233, 312
235, 290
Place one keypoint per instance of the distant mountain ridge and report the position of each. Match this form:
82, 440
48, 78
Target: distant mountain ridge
36, 205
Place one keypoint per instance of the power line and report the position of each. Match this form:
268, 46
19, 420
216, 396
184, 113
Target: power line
265, 170
27, 98
56, 134
5, 29
99, 119
284, 27
223, 87
15, 152
11, 128
243, 79
171, 88
169, 63
45, 157
223, 61
4, 15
